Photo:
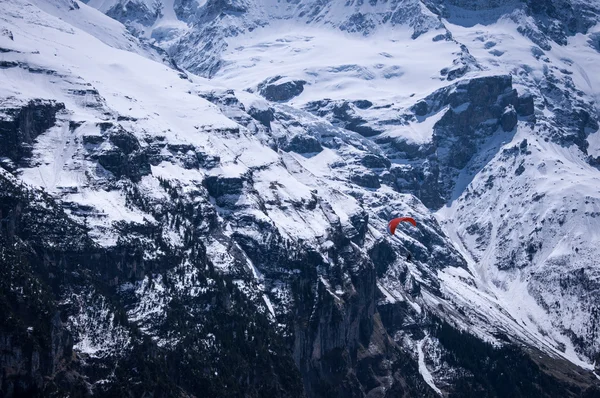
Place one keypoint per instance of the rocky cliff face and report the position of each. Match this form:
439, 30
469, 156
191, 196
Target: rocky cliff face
163, 234
22, 125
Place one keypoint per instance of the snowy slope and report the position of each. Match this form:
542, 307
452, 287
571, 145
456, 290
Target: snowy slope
96, 83
387, 67
532, 235
518, 250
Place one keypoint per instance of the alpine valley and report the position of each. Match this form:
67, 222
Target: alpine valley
194, 197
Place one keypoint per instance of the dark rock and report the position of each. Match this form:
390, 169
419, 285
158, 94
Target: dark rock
476, 110
124, 140
420, 108
105, 126
525, 105
441, 37
218, 7
180, 148
132, 12
576, 124
113, 161
84, 92
280, 92
538, 52
362, 129
74, 125
328, 336
462, 150
344, 114
126, 158
367, 180
225, 98
121, 118
411, 150
23, 125
594, 161
7, 33
264, 116
363, 104
93, 139
133, 165
423, 182
559, 19
383, 255
207, 161
523, 146
509, 119
7, 164
455, 73
303, 144
190, 160
8, 64
358, 22
375, 162
219, 186
487, 95
360, 222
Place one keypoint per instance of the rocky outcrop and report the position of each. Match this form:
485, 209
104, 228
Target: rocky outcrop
344, 114
344, 347
367, 180
375, 162
7, 33
525, 105
274, 89
225, 190
133, 166
120, 152
303, 144
543, 22
339, 343
135, 12
20, 126
509, 119
559, 19
477, 110
265, 116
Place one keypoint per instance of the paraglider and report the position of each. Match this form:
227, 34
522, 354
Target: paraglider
393, 224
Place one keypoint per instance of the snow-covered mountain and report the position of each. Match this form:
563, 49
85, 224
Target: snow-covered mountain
195, 197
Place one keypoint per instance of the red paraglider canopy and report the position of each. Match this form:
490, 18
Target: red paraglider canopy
393, 224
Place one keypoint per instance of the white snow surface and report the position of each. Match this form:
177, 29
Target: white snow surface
386, 66
423, 367
552, 205
128, 83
